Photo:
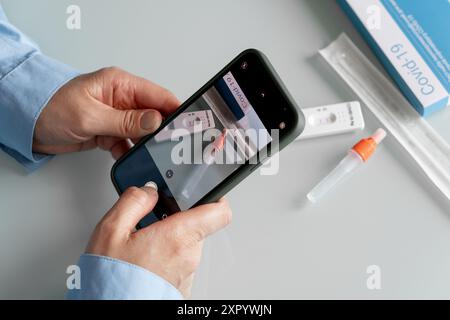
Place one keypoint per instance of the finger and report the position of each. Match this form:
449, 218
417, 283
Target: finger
120, 148
56, 149
107, 143
206, 219
135, 140
127, 123
152, 96
117, 146
66, 148
134, 204
186, 286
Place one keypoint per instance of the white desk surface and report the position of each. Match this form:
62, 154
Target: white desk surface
389, 214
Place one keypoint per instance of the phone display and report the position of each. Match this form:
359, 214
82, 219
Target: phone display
213, 135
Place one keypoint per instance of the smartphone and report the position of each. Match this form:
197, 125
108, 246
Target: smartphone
215, 139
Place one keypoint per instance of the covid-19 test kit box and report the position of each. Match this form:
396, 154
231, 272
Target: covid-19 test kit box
412, 40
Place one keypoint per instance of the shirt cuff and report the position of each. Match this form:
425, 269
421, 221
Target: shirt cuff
24, 92
105, 278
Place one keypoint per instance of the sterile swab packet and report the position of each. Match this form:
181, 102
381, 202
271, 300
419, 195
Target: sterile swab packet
386, 102
359, 154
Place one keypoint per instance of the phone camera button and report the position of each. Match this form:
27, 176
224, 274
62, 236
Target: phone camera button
169, 173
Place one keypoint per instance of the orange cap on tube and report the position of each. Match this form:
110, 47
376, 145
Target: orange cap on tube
367, 146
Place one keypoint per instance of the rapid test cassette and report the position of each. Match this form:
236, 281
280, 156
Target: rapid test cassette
332, 119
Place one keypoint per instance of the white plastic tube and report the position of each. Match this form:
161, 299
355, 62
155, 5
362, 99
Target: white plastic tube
342, 170
421, 141
360, 153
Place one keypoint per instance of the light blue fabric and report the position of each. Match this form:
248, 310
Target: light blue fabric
111, 279
28, 79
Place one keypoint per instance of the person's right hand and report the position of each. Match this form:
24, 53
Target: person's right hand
170, 248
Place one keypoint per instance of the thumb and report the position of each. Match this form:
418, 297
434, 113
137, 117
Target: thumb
131, 123
133, 205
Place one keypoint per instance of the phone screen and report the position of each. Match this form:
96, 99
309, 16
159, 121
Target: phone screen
208, 141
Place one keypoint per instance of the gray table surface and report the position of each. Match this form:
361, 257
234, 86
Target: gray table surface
278, 246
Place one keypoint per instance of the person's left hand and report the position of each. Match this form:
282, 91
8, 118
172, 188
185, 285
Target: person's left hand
101, 109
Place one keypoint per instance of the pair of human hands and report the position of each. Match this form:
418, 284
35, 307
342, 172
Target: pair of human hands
108, 109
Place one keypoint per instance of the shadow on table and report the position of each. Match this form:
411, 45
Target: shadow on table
84, 188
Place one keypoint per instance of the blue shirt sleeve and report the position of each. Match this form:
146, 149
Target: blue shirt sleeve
28, 79
111, 279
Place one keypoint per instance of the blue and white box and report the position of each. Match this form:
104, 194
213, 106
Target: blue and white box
412, 40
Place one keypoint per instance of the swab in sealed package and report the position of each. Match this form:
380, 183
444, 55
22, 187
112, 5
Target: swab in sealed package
415, 134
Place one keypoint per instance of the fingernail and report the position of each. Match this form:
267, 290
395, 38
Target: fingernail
150, 120
151, 184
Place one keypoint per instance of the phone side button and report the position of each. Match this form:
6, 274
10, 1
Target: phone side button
255, 166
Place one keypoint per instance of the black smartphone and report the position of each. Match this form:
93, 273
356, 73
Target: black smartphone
215, 139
